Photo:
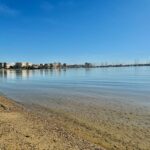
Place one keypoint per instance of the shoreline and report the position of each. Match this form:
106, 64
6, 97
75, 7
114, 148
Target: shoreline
83, 67
81, 127
23, 128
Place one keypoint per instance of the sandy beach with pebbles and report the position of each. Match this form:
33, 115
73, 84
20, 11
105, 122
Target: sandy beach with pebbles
24, 128
80, 127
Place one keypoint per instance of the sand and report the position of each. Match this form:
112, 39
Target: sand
23, 128
74, 125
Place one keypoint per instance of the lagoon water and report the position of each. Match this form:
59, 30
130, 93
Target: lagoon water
44, 87
106, 106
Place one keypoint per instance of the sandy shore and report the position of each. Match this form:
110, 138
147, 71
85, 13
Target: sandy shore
24, 128
74, 125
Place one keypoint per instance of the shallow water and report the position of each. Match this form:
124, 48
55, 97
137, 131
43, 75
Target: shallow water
124, 85
106, 106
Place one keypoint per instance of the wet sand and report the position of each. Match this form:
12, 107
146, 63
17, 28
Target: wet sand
74, 125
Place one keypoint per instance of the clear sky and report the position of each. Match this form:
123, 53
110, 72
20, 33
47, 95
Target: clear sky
74, 31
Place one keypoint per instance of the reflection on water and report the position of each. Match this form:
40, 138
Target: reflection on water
113, 84
26, 74
13, 74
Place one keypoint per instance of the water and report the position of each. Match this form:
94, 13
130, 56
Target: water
104, 104
45, 87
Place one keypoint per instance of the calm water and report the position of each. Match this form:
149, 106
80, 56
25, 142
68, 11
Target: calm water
127, 85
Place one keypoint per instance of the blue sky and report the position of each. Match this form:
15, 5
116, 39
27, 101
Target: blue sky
75, 31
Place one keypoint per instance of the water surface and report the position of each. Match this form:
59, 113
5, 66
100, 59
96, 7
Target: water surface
106, 106
124, 85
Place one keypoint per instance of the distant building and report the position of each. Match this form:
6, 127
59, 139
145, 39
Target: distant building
8, 65
35, 66
57, 65
1, 65
28, 64
88, 65
41, 66
20, 65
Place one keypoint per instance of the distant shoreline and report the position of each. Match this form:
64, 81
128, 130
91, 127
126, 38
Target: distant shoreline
79, 66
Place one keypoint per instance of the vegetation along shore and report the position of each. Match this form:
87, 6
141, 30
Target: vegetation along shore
28, 65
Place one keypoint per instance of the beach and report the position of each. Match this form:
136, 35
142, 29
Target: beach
24, 126
74, 75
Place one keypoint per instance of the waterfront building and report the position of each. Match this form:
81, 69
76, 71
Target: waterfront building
28, 64
36, 66
41, 66
20, 65
88, 65
57, 65
1, 65
8, 65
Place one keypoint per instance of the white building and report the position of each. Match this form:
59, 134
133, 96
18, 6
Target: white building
28, 64
23, 64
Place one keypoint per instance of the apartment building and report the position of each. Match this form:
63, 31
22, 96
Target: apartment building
23, 65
